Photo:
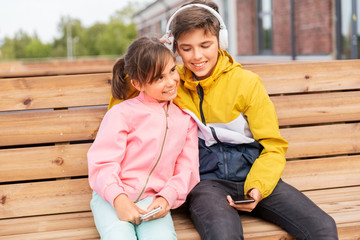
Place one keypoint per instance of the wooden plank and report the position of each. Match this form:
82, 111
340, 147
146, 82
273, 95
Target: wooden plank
54, 92
317, 108
59, 161
322, 140
57, 71
323, 173
296, 77
39, 198
50, 126
47, 223
72, 234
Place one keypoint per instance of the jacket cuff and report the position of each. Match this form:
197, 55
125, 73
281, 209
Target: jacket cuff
111, 192
170, 195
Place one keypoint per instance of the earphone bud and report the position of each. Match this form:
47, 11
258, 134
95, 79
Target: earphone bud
223, 33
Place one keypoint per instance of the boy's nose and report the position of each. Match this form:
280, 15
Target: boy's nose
197, 53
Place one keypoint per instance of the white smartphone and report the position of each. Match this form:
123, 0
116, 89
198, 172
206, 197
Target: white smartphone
149, 214
242, 201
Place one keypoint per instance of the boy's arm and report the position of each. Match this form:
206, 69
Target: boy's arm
267, 169
186, 173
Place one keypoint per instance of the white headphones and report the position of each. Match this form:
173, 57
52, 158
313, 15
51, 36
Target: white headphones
223, 33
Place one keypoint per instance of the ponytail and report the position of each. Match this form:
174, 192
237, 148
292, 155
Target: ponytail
119, 85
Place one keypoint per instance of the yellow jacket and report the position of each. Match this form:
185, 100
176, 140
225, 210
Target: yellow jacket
237, 108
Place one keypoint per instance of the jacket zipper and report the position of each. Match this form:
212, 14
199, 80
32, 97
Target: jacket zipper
226, 170
157, 161
200, 92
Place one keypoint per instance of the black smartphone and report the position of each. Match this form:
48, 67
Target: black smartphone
242, 201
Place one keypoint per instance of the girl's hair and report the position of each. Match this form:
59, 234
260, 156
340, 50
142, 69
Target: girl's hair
196, 18
144, 61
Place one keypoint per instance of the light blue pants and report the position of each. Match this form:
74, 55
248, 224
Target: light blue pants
110, 227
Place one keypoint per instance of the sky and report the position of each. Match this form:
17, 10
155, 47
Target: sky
43, 16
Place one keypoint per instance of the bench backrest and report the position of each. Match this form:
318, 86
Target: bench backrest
48, 123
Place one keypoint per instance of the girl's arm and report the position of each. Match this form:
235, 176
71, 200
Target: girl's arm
105, 155
186, 173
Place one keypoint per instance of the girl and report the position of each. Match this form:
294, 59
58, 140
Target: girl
145, 154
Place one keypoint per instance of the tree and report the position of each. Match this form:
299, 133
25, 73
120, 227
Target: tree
110, 38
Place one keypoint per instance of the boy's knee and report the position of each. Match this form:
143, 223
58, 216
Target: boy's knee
328, 226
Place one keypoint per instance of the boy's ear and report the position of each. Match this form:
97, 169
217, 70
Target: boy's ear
137, 85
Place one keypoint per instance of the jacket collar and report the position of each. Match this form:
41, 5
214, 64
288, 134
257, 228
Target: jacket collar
151, 101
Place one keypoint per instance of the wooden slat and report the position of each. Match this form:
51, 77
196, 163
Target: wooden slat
50, 126
54, 92
57, 71
60, 161
323, 173
38, 198
72, 234
47, 223
317, 108
322, 140
296, 77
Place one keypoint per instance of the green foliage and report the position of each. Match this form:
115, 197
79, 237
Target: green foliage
110, 38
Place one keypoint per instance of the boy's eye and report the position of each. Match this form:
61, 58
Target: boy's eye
186, 49
173, 69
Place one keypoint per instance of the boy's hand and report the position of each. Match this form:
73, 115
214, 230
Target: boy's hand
127, 210
247, 207
158, 202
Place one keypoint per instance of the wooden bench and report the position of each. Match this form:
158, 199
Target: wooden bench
48, 123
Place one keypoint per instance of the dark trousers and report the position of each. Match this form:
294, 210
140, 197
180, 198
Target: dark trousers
286, 207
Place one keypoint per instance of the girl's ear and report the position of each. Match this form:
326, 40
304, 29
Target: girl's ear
137, 85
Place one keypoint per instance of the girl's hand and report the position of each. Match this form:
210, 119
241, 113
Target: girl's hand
158, 202
247, 207
164, 39
127, 210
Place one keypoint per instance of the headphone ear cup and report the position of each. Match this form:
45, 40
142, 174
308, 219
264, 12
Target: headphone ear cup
170, 46
223, 39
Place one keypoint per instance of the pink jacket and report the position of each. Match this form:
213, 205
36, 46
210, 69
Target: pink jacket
145, 148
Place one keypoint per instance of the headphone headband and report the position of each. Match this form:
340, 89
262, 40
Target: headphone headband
215, 13
223, 31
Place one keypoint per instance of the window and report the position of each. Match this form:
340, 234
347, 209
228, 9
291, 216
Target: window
264, 26
350, 29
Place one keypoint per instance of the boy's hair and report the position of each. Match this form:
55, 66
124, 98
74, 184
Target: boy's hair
196, 18
144, 61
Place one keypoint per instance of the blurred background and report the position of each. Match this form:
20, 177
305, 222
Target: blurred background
259, 30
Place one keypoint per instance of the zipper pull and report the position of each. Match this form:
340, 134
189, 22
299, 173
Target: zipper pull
167, 115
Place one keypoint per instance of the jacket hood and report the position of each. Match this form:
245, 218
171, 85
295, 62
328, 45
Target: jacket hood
224, 64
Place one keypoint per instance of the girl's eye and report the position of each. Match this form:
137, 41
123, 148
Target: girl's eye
186, 49
205, 46
173, 69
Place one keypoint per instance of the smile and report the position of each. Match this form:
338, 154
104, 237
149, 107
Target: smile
199, 64
172, 91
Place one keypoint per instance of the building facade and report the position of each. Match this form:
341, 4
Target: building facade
275, 29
